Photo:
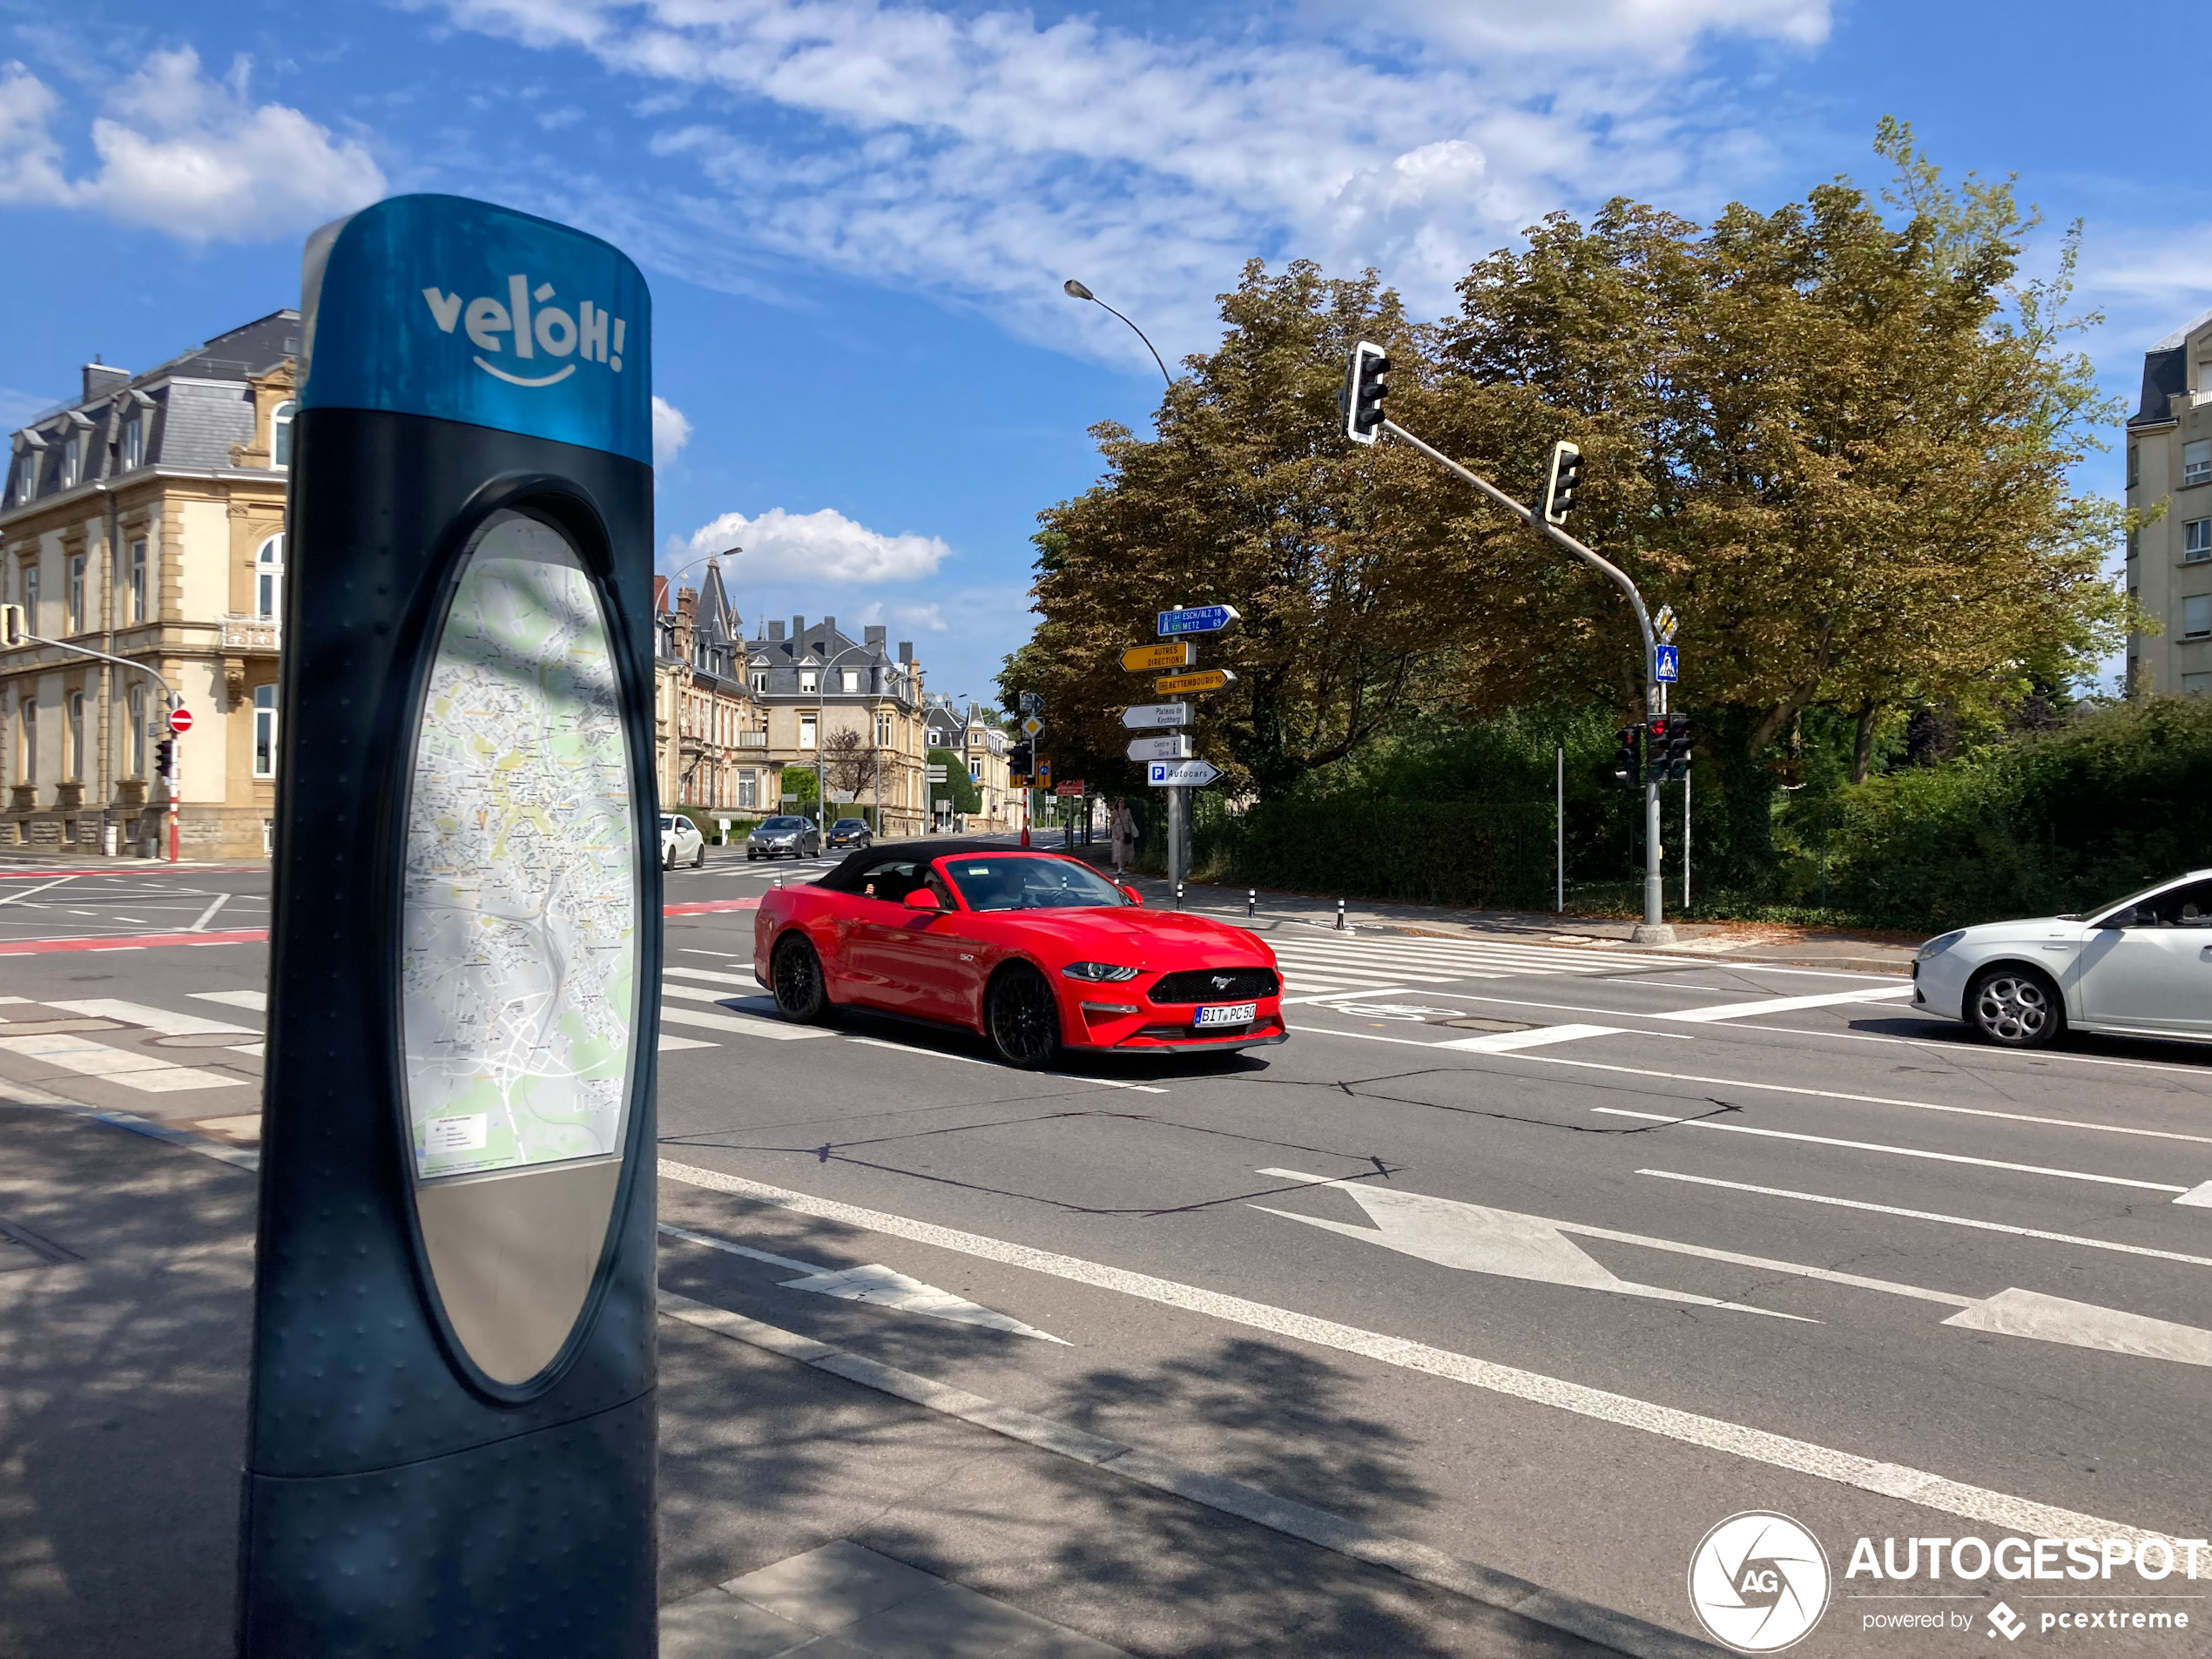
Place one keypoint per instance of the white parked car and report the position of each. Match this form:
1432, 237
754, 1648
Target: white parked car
680, 842
2140, 967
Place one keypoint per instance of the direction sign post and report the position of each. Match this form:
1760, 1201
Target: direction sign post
1198, 619
1180, 774
449, 1444
1148, 716
1172, 748
1150, 660
1204, 679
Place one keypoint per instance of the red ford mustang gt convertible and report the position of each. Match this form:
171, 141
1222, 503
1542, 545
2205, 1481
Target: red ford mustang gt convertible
1035, 951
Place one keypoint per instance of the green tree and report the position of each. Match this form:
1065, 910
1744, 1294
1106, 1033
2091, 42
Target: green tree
958, 787
799, 784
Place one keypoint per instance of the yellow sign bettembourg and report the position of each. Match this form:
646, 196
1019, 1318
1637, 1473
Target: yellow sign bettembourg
1146, 659
1206, 680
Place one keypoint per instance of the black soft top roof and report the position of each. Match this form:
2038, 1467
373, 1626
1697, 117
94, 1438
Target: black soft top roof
852, 873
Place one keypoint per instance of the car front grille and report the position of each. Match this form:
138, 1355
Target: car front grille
1216, 985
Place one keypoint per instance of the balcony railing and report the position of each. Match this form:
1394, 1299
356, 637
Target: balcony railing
244, 633
752, 739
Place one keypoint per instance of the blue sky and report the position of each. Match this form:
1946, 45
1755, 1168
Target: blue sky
856, 214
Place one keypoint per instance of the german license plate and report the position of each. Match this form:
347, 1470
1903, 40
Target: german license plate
1227, 1014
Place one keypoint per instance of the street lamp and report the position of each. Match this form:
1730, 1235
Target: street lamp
1075, 290
821, 739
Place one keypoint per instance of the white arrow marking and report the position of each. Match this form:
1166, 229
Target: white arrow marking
1480, 1240
1466, 1244
2084, 1325
880, 1285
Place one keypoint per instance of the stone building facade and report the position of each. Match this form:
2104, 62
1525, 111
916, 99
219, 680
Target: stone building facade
711, 740
145, 518
2170, 564
811, 684
982, 745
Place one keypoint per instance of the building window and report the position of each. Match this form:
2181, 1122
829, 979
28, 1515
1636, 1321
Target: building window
2196, 686
72, 462
27, 751
760, 681
30, 598
268, 577
135, 705
974, 772
748, 789
883, 731
2196, 616
2196, 461
73, 731
2196, 541
851, 681
75, 622
134, 443
806, 731
264, 731
138, 580
808, 680
280, 433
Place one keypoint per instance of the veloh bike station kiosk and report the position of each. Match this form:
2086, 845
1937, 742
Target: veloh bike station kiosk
451, 1440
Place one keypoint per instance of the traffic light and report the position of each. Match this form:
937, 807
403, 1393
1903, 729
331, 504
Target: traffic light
1018, 761
1667, 749
1361, 399
1564, 473
163, 752
1628, 764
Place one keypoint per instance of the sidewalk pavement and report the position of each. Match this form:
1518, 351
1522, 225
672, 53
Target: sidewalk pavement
810, 1501
1782, 946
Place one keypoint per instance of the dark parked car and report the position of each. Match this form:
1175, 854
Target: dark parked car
784, 838
850, 832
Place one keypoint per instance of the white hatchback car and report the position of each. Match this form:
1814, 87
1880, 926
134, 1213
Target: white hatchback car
680, 842
2140, 967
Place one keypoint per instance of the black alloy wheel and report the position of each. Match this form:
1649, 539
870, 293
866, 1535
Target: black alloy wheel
2015, 1007
1022, 1017
699, 858
795, 974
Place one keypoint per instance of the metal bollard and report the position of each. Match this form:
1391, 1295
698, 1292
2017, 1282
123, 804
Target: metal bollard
1339, 916
1178, 895
1251, 901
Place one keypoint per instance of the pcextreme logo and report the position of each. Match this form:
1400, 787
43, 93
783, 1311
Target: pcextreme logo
1758, 1583
526, 324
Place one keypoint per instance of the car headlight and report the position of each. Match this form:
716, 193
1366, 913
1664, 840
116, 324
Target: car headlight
1939, 944
1100, 973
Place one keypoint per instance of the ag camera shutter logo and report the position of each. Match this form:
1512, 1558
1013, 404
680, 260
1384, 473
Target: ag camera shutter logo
1758, 1583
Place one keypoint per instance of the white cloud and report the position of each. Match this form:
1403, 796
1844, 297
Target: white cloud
186, 154
988, 154
819, 547
928, 619
671, 431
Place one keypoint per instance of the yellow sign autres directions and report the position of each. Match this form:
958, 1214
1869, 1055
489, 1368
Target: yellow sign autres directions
1146, 659
1206, 680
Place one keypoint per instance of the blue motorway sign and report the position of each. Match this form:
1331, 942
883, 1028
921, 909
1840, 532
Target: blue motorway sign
1198, 619
1668, 666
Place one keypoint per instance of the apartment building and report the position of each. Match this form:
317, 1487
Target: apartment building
849, 707
145, 518
711, 744
2170, 564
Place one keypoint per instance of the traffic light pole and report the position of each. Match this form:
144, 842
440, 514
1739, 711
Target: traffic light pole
1654, 929
168, 697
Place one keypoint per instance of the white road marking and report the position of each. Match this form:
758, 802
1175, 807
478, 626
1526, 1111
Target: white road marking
878, 1286
751, 1025
1479, 1239
670, 1045
1332, 996
129, 1067
975, 1060
713, 977
257, 1050
18, 898
258, 1001
1932, 1215
1475, 1239
161, 1019
2083, 1325
1900, 1481
2198, 1197
208, 914
1896, 1152
1786, 1004
1535, 1037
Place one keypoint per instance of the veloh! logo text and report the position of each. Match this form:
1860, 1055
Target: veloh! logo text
527, 323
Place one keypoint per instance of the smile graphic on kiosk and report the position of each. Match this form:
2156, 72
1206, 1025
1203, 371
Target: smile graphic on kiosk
450, 1447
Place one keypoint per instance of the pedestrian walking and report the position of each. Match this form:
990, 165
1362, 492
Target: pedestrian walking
1121, 829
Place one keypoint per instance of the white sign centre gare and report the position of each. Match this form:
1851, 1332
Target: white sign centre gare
525, 322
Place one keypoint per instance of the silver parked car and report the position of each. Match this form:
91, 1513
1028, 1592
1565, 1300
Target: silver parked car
2140, 967
784, 838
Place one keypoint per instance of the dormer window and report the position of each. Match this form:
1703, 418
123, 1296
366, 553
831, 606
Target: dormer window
72, 462
134, 443
809, 679
280, 433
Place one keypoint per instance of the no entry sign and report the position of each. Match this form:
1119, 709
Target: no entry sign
180, 721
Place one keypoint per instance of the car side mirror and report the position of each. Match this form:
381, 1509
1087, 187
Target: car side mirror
1134, 897
923, 899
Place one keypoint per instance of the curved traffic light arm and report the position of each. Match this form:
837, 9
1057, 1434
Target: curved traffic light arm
15, 638
1536, 522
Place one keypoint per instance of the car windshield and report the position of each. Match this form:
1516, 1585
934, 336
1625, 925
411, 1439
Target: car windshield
2134, 898
850, 824
1032, 883
777, 825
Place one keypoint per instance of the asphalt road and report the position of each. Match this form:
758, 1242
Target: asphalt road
1547, 1256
